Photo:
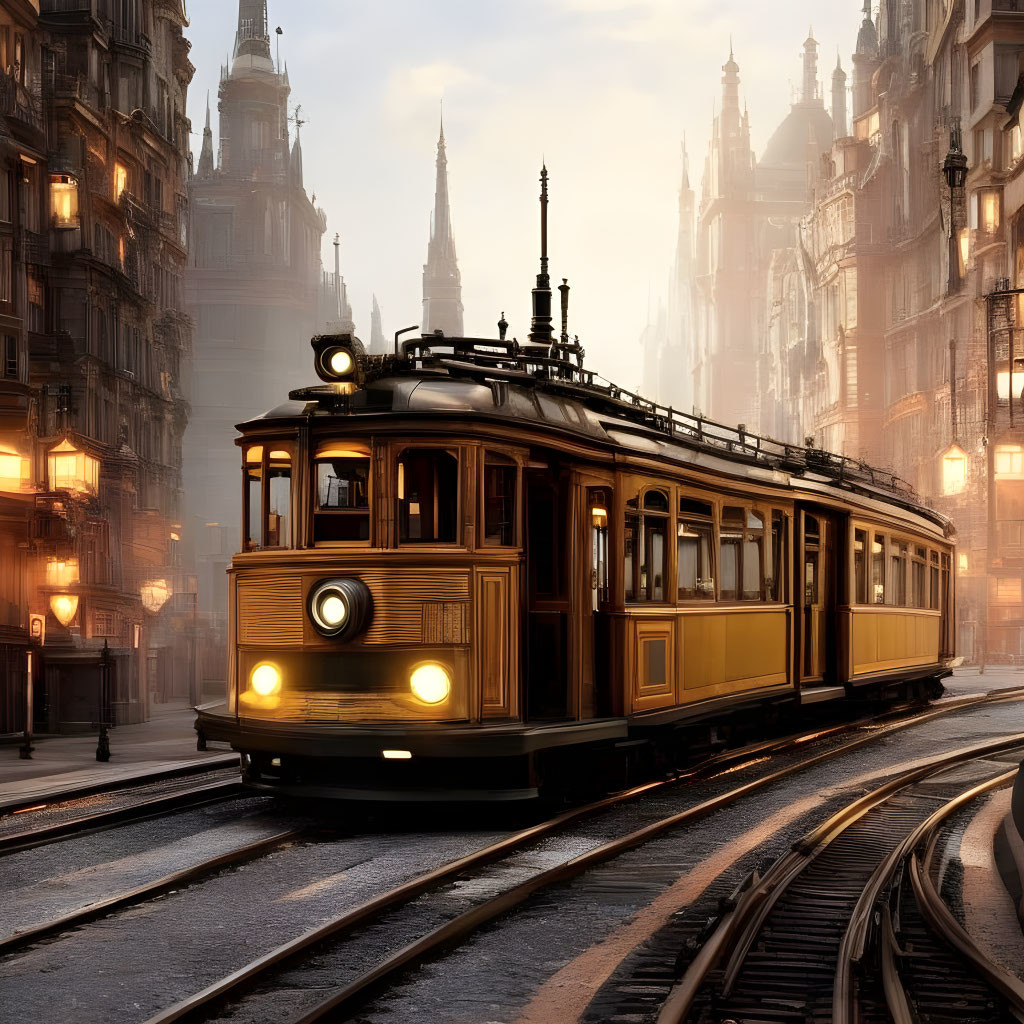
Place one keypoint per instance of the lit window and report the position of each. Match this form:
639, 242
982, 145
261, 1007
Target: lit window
13, 470
72, 470
1009, 460
342, 509
64, 201
961, 562
965, 249
120, 180
61, 572
954, 470
990, 212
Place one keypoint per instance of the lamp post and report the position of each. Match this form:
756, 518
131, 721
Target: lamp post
954, 169
103, 743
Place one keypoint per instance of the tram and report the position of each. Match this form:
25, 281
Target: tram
472, 568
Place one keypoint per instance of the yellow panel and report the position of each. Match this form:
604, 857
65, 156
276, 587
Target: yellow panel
493, 621
890, 640
653, 665
732, 652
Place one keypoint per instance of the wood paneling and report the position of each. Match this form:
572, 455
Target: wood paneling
893, 639
270, 611
652, 663
497, 649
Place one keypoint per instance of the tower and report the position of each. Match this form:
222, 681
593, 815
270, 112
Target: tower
442, 284
865, 63
205, 169
839, 122
378, 343
810, 87
255, 287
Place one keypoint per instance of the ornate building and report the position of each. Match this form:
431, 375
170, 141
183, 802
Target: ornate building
442, 283
256, 288
93, 245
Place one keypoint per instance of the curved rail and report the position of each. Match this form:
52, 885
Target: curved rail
240, 982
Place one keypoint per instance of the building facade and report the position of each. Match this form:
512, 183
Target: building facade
93, 246
257, 291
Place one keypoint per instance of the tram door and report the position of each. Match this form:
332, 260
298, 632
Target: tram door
548, 509
816, 584
597, 696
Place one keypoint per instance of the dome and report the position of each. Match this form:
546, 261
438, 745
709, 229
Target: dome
788, 145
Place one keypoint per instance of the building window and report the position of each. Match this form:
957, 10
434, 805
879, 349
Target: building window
342, 510
954, 470
500, 480
428, 496
120, 180
36, 305
10, 354
30, 181
695, 542
1009, 460
64, 201
6, 271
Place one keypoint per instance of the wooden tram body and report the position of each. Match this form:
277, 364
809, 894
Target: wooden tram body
583, 567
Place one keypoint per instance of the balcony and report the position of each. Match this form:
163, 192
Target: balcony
129, 38
18, 103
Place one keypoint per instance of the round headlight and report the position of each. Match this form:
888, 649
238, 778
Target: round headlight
431, 683
341, 362
265, 679
340, 608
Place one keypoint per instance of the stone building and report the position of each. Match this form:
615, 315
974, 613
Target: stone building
916, 249
747, 228
93, 245
257, 290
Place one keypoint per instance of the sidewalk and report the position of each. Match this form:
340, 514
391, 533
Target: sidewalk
995, 677
167, 741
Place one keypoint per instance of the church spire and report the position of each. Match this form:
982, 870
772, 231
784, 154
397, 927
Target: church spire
252, 36
810, 89
378, 345
442, 283
205, 169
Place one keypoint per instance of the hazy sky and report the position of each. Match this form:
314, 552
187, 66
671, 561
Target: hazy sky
603, 89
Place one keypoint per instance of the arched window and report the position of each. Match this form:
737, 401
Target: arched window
646, 561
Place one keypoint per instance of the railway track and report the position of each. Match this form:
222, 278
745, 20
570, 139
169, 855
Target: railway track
61, 819
849, 927
498, 886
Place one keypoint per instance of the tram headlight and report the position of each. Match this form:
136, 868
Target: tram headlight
430, 683
265, 679
340, 608
336, 358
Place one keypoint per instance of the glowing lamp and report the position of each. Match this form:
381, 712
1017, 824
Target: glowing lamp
13, 470
64, 608
430, 683
72, 470
336, 358
154, 594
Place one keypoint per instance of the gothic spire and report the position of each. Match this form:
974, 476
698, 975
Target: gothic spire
205, 168
252, 38
810, 87
377, 343
442, 283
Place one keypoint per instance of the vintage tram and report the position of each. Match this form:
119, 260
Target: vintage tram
472, 569
468, 566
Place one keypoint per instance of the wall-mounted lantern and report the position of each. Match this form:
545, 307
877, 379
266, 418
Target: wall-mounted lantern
154, 594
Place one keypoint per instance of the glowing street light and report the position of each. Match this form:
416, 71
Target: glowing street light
154, 594
64, 607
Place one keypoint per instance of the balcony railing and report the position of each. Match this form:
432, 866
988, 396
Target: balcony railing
17, 102
65, 6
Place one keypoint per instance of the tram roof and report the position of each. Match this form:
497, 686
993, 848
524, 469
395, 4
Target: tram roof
529, 386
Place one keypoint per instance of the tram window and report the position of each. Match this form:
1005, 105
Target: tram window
279, 499
254, 506
598, 501
897, 589
694, 543
693, 507
918, 580
646, 556
860, 568
731, 543
342, 510
878, 569
933, 580
500, 475
753, 557
428, 496
775, 559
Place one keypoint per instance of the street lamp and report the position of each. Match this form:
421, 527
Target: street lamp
954, 169
154, 594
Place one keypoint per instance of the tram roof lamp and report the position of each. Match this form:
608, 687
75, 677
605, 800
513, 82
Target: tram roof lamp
336, 357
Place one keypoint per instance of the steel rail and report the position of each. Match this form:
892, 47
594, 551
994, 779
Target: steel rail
937, 914
892, 987
52, 797
213, 792
149, 890
757, 902
235, 984
854, 941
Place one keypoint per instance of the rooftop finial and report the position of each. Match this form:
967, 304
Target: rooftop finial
441, 138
